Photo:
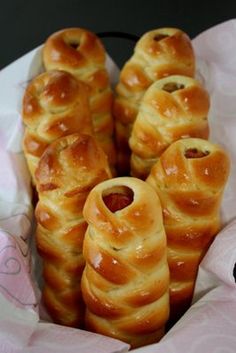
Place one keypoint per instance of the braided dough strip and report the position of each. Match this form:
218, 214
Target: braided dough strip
69, 168
126, 278
55, 104
189, 178
159, 53
172, 108
81, 53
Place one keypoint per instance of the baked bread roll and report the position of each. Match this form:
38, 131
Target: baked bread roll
81, 53
172, 108
55, 104
69, 168
125, 283
159, 53
189, 178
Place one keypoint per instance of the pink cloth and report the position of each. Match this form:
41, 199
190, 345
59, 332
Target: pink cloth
15, 279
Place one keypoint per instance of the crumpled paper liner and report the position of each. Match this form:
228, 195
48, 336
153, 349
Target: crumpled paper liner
210, 323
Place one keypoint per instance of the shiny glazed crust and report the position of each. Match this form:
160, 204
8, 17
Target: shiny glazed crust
189, 178
81, 53
159, 53
55, 104
126, 278
172, 108
69, 168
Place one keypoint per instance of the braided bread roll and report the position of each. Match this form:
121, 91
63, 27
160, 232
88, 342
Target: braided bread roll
172, 108
125, 283
159, 53
55, 104
189, 178
69, 168
81, 53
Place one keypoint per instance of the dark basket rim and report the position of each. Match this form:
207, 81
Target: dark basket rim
118, 34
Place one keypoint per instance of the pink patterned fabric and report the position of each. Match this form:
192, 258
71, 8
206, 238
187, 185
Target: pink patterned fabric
15, 279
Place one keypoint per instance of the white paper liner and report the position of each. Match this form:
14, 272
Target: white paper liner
210, 323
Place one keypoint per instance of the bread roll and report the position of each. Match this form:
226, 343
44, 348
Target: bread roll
189, 178
172, 108
81, 53
55, 104
126, 278
159, 53
67, 171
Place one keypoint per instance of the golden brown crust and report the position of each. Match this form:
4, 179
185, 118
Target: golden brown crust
69, 168
73, 48
55, 104
172, 108
159, 53
81, 52
125, 283
189, 178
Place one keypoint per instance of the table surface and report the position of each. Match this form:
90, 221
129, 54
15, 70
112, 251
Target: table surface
25, 24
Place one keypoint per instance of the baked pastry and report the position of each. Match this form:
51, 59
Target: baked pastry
55, 104
172, 108
125, 283
159, 53
68, 169
82, 53
189, 178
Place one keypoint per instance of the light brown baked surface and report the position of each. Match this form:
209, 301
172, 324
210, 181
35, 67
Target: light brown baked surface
125, 283
82, 53
189, 178
159, 53
55, 104
69, 168
172, 108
